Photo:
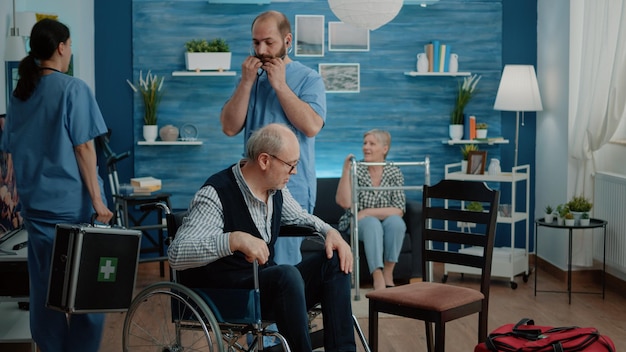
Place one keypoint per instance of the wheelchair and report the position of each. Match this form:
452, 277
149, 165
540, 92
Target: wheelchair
170, 317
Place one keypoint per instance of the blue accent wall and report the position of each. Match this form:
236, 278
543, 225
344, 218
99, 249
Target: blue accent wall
414, 109
146, 34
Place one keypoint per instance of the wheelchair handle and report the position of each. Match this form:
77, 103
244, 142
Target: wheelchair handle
152, 206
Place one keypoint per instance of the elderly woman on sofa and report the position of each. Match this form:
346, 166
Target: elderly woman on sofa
381, 227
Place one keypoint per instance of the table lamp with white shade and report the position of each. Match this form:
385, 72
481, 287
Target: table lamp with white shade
519, 92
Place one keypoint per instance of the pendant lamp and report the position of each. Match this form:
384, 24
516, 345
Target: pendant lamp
369, 14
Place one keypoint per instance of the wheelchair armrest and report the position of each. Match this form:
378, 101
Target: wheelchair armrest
298, 231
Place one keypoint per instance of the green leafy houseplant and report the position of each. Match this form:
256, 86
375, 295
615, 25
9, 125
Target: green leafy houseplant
562, 209
579, 204
468, 148
548, 209
475, 206
151, 89
584, 215
481, 126
217, 45
466, 91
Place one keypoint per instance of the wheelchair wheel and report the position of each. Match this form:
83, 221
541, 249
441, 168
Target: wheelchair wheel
169, 317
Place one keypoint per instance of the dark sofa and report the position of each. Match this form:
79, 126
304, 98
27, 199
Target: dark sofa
409, 263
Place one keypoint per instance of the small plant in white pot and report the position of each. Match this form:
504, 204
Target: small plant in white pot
584, 219
211, 55
465, 150
549, 214
561, 210
569, 219
481, 130
578, 205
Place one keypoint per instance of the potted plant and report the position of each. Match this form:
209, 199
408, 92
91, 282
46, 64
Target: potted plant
465, 149
481, 130
151, 89
207, 55
584, 219
549, 214
465, 92
578, 205
561, 210
569, 219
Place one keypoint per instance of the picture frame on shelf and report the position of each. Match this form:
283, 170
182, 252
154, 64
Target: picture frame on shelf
476, 162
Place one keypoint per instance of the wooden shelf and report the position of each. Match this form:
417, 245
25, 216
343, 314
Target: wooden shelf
474, 141
170, 143
450, 74
204, 73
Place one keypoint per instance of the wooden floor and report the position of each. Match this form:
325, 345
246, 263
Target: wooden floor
506, 306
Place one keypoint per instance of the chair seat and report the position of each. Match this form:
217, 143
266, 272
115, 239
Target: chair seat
427, 295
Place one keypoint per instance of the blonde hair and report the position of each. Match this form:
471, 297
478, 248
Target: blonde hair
383, 136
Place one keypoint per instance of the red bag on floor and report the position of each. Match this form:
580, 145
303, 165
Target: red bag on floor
527, 337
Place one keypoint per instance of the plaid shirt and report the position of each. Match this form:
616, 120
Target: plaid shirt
392, 177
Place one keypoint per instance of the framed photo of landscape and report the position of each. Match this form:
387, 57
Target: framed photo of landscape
309, 39
346, 37
341, 78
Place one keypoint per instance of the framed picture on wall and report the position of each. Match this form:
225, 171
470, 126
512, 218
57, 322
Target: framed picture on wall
476, 162
341, 78
309, 39
11, 74
346, 37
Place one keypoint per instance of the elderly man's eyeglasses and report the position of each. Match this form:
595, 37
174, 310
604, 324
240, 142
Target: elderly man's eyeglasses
291, 166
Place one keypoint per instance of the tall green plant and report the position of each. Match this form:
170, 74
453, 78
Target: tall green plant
466, 91
151, 93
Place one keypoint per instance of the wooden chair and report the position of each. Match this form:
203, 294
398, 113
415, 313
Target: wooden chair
437, 303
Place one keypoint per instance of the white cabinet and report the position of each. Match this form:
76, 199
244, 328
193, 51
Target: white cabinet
508, 261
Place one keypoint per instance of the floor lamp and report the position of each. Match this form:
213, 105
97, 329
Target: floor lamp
519, 92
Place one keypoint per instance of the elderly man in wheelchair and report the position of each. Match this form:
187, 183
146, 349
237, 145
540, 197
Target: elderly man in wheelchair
233, 221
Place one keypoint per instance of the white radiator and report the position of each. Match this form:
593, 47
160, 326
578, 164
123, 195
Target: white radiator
610, 205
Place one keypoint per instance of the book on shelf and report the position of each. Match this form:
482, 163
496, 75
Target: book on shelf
443, 50
436, 51
428, 49
146, 190
148, 181
472, 127
489, 139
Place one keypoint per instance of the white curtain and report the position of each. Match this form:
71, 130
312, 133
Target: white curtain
601, 98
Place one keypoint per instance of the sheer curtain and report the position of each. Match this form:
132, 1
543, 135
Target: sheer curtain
600, 98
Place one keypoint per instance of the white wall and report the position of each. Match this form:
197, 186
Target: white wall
77, 15
552, 123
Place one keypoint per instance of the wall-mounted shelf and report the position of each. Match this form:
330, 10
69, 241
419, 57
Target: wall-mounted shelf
204, 73
451, 74
475, 141
170, 143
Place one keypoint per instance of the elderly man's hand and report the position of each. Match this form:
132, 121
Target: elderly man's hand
334, 242
252, 247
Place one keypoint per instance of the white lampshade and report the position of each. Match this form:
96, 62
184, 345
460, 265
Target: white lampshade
518, 90
369, 14
25, 22
14, 49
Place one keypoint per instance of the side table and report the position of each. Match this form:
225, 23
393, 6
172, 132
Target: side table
126, 203
593, 223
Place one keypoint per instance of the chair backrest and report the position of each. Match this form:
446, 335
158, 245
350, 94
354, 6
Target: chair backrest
444, 205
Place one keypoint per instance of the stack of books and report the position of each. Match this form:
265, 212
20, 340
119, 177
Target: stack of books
145, 185
438, 56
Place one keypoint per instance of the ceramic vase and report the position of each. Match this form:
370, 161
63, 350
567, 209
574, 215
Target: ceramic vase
494, 167
168, 133
422, 62
150, 132
454, 63
482, 133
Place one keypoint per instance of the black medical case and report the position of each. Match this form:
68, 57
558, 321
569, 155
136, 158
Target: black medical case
93, 269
